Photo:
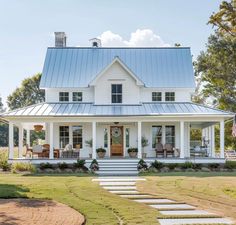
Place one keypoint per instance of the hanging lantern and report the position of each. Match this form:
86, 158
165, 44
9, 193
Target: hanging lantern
38, 128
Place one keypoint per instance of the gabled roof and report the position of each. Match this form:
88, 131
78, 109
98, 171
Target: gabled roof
117, 60
155, 67
89, 109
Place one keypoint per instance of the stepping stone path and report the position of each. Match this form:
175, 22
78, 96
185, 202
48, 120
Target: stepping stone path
125, 187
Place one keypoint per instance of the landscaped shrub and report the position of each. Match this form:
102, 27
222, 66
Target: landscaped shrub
80, 165
230, 165
213, 166
186, 165
197, 166
156, 164
171, 166
4, 165
62, 165
44, 166
22, 167
94, 165
142, 165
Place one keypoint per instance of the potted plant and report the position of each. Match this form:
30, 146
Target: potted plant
101, 152
132, 152
89, 143
144, 144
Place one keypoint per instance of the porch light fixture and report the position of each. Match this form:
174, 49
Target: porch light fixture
116, 123
38, 128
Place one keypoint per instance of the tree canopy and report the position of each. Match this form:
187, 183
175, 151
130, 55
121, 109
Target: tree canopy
27, 94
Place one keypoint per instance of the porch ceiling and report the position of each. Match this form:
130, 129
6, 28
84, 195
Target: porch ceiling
89, 109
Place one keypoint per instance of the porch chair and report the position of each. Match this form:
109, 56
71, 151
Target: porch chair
169, 150
46, 150
159, 150
37, 150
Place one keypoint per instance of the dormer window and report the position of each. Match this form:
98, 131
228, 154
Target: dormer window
170, 96
116, 93
156, 97
77, 96
64, 96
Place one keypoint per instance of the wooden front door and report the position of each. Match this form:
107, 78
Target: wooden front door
116, 140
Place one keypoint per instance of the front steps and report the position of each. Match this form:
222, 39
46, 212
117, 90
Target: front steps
117, 167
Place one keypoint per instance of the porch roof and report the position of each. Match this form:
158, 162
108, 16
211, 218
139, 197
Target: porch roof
89, 109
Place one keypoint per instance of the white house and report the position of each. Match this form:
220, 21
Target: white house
116, 96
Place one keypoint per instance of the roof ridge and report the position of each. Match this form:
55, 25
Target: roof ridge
164, 47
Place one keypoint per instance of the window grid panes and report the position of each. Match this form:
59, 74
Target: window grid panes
64, 96
127, 135
116, 93
105, 138
77, 136
156, 135
77, 96
170, 135
64, 136
156, 97
170, 96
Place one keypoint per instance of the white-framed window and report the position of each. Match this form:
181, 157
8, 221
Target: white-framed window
105, 138
127, 137
64, 96
77, 96
170, 135
64, 135
116, 93
156, 96
156, 135
170, 96
77, 135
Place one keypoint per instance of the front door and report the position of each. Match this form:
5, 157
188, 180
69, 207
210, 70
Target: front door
116, 140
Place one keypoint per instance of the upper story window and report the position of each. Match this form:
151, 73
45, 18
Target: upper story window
77, 96
116, 93
170, 96
156, 97
64, 96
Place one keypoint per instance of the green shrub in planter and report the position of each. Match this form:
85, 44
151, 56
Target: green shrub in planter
132, 152
22, 167
101, 152
142, 165
44, 166
94, 165
230, 165
186, 165
62, 165
156, 164
79, 164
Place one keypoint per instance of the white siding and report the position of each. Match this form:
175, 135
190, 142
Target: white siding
116, 74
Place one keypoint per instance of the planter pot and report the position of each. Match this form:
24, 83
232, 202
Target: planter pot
133, 154
101, 154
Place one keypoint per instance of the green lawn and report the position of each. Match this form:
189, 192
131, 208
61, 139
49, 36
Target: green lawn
213, 191
98, 205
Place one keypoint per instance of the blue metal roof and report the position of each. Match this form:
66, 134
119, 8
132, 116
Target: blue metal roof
89, 109
155, 67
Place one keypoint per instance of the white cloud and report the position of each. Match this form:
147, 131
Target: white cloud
139, 38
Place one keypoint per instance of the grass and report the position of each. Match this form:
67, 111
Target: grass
215, 192
80, 193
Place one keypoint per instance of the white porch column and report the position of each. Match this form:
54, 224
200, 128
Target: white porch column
94, 131
11, 140
51, 155
163, 137
222, 139
182, 152
139, 139
28, 137
20, 140
46, 133
213, 141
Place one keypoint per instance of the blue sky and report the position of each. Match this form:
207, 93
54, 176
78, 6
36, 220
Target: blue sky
27, 28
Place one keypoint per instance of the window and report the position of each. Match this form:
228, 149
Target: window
170, 96
64, 136
116, 93
156, 97
170, 135
105, 138
156, 135
127, 137
77, 96
77, 136
64, 96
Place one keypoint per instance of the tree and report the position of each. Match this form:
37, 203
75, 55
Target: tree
27, 94
1, 106
225, 19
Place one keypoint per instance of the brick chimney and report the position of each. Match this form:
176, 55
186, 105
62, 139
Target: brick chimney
60, 39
